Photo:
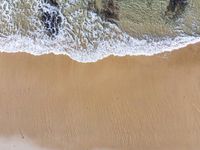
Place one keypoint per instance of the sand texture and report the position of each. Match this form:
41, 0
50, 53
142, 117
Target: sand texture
119, 103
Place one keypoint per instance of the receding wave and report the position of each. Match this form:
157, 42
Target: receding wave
89, 30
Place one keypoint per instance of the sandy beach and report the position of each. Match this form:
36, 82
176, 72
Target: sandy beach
118, 103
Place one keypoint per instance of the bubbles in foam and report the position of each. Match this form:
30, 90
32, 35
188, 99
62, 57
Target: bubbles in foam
105, 48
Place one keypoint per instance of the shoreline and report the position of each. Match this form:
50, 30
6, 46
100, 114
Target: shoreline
118, 103
82, 56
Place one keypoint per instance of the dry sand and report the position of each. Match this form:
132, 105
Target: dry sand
119, 103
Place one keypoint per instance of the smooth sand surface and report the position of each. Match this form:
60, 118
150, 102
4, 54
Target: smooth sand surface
119, 103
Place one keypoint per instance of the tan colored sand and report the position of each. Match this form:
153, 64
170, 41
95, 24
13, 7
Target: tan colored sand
127, 103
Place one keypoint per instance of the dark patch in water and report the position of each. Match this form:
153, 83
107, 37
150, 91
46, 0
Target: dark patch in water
176, 8
109, 10
52, 3
51, 18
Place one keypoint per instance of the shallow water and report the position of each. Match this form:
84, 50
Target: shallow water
143, 29
16, 143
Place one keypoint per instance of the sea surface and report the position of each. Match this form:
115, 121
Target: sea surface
143, 28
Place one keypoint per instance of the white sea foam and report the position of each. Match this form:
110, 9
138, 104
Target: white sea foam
132, 47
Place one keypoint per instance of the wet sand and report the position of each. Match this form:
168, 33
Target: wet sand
119, 103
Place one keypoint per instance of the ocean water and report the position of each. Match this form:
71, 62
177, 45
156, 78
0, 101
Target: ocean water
143, 29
